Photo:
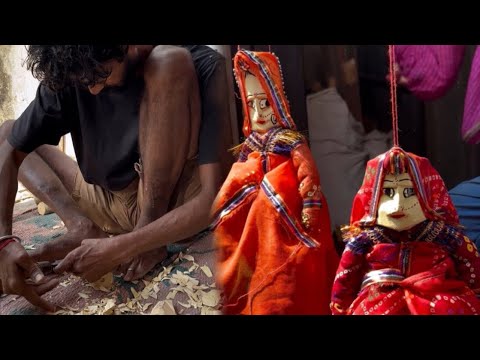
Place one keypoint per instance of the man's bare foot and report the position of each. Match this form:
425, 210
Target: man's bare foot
58, 248
144, 263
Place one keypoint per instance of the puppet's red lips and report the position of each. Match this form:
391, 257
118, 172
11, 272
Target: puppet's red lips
397, 215
261, 122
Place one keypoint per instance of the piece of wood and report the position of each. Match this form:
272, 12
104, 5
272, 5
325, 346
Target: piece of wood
61, 144
43, 209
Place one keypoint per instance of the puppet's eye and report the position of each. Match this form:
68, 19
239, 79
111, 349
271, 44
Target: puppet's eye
389, 192
264, 103
407, 192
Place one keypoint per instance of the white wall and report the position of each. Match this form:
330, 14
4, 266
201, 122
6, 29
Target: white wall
19, 84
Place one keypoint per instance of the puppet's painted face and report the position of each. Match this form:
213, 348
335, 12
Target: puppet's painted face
399, 208
262, 116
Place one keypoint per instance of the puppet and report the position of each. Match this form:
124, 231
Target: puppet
272, 226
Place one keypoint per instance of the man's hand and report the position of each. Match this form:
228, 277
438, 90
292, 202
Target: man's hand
141, 265
91, 260
16, 266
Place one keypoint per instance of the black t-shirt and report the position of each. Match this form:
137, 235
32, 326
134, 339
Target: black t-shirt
104, 127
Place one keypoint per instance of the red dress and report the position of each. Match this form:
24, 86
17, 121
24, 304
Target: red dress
272, 226
429, 269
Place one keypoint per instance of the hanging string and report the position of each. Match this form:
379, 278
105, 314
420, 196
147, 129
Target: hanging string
238, 47
393, 94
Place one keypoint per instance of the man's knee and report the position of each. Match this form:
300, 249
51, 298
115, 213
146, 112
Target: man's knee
171, 64
172, 68
6, 129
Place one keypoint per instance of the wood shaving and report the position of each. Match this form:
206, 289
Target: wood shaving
188, 257
208, 311
168, 308
158, 309
188, 306
207, 271
105, 283
134, 292
172, 294
109, 307
193, 268
212, 298
203, 298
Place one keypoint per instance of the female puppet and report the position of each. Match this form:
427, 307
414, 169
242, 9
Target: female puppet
405, 251
272, 226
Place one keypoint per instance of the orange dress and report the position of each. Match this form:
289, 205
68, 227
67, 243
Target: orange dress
268, 263
272, 226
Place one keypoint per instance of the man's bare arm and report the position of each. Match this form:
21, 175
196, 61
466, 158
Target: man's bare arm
178, 224
165, 122
98, 256
170, 77
10, 161
15, 263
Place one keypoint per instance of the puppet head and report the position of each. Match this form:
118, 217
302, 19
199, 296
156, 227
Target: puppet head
399, 191
259, 78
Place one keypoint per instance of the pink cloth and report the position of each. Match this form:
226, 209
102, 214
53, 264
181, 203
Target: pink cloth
432, 69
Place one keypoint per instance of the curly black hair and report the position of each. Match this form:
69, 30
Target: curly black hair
58, 66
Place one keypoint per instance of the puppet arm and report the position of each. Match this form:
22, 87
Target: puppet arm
467, 261
309, 188
350, 272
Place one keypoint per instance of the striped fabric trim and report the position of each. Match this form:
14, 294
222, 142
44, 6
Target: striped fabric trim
369, 218
272, 88
405, 255
377, 189
389, 275
256, 142
233, 203
312, 203
290, 221
417, 179
421, 188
